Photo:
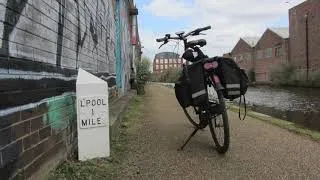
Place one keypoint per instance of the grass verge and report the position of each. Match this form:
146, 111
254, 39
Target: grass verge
314, 135
103, 168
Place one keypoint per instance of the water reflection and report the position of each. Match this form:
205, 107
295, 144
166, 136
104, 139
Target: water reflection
299, 105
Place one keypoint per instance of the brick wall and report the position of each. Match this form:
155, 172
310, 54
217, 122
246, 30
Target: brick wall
33, 137
298, 40
42, 44
267, 60
242, 53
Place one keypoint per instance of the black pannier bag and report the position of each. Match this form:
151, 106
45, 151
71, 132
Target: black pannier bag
234, 80
232, 77
191, 88
181, 89
197, 83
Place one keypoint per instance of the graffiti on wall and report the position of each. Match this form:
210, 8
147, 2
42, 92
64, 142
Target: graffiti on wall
63, 33
42, 43
124, 41
35, 127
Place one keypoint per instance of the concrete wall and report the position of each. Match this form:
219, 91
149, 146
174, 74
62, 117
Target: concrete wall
297, 28
42, 43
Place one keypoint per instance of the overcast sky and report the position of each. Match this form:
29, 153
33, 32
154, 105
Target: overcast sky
230, 20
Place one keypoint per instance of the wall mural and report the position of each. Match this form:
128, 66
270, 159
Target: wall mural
42, 43
124, 38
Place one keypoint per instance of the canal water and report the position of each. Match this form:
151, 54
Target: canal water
299, 105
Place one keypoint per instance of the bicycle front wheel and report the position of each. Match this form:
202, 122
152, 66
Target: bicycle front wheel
219, 127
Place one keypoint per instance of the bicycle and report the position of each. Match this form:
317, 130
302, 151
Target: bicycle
212, 112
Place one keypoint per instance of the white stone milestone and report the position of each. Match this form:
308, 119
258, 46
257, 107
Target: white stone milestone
92, 116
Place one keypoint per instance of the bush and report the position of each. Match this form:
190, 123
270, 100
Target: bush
283, 74
170, 75
143, 74
286, 74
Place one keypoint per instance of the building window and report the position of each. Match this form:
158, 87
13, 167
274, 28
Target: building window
268, 53
161, 66
157, 67
278, 51
259, 54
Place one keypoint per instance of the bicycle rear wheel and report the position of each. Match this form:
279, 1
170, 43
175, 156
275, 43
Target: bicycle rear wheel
219, 127
192, 114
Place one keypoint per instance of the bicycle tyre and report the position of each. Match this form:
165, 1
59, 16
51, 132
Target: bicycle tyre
221, 148
193, 119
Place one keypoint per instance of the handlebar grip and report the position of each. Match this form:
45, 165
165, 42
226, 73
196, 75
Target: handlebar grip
205, 28
161, 39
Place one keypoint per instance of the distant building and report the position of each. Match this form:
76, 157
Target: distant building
261, 53
271, 50
304, 18
302, 49
243, 52
166, 60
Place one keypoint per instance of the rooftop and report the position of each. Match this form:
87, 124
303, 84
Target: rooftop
166, 55
252, 41
282, 32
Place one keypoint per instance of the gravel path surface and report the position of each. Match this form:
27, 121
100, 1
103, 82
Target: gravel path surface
258, 150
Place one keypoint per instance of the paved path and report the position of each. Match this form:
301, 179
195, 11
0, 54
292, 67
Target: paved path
258, 150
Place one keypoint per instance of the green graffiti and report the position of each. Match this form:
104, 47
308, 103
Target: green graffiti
61, 111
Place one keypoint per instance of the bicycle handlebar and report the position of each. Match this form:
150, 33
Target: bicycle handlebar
204, 28
194, 32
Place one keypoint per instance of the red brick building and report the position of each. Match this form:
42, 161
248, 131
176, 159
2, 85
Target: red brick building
166, 60
228, 55
304, 27
243, 52
271, 50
